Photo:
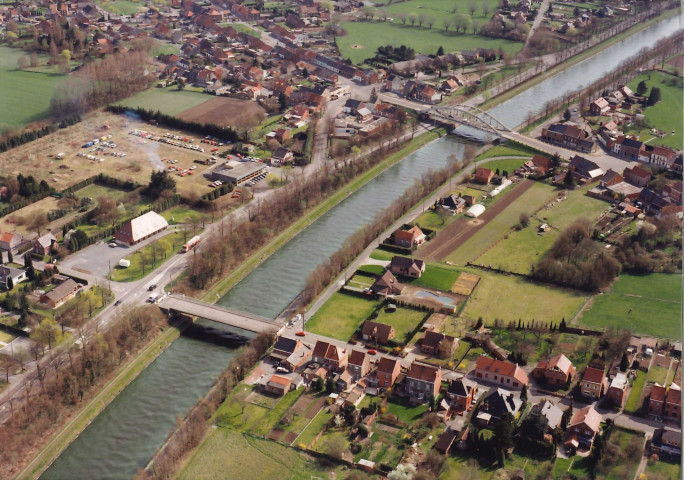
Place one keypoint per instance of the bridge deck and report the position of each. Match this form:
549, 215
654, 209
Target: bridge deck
217, 313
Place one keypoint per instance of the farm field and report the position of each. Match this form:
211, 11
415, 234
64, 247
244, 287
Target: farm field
167, 100
31, 91
502, 224
340, 316
524, 248
404, 321
226, 111
634, 301
142, 156
270, 459
511, 298
364, 38
665, 114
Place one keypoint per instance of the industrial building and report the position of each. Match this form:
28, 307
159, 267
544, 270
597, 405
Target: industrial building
141, 228
237, 175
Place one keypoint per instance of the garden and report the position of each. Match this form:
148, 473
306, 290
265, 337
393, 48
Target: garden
341, 315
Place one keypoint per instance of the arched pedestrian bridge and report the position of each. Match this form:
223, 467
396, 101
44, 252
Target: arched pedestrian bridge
471, 116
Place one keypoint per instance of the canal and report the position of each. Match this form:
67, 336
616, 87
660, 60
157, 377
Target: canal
122, 439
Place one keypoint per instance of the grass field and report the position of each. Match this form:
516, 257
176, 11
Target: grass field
576, 347
379, 254
404, 321
438, 277
657, 375
340, 316
371, 35
524, 248
635, 394
182, 214
665, 115
625, 468
405, 412
272, 460
512, 298
143, 261
314, 427
120, 7
167, 100
529, 202
30, 91
635, 301
668, 469
508, 149
505, 165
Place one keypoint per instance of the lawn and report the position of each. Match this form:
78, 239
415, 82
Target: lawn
31, 91
437, 277
170, 101
364, 38
530, 201
273, 415
524, 248
508, 149
634, 301
372, 270
379, 254
360, 281
505, 164
668, 469
314, 427
95, 191
404, 321
214, 460
340, 316
666, 114
182, 214
6, 337
149, 257
406, 413
120, 7
657, 375
626, 466
433, 220
635, 394
511, 298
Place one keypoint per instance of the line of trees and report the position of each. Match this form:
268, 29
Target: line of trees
66, 381
224, 133
327, 271
8, 142
192, 430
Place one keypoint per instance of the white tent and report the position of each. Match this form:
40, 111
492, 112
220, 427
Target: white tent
475, 211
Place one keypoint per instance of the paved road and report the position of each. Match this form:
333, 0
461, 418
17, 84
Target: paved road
535, 25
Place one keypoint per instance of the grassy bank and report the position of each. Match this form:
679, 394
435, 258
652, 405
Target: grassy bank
491, 103
87, 414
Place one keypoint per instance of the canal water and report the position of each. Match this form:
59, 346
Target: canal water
126, 434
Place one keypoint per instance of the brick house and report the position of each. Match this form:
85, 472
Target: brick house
377, 332
673, 403
387, 372
461, 394
422, 382
582, 428
432, 342
666, 443
617, 391
386, 285
278, 385
629, 148
407, 267
568, 136
483, 176
656, 401
637, 176
43, 245
500, 371
599, 106
359, 364
330, 355
594, 383
409, 238
557, 370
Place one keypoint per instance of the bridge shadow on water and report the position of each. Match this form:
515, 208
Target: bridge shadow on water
213, 335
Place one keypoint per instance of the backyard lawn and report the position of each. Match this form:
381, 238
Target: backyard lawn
635, 301
341, 315
379, 254
666, 114
635, 394
668, 469
437, 277
505, 164
404, 321
363, 38
405, 412
657, 375
149, 257
120, 7
170, 100
529, 202
511, 298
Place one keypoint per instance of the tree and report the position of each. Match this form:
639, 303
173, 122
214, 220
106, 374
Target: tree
305, 73
486, 8
335, 446
524, 220
534, 426
440, 51
10, 259
412, 18
10, 283
47, 333
472, 7
282, 101
566, 114
523, 394
373, 96
569, 179
654, 96
447, 22
641, 88
160, 181
34, 59
624, 362
22, 62
503, 433
462, 21
180, 83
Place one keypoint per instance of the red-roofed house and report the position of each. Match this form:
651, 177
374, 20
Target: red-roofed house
9, 241
637, 176
500, 371
483, 176
423, 381
278, 385
673, 403
593, 383
656, 401
558, 370
330, 356
583, 427
409, 238
387, 372
359, 363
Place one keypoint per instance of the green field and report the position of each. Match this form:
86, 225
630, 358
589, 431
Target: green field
404, 321
524, 248
340, 316
505, 164
30, 91
508, 149
120, 7
170, 100
163, 248
437, 277
657, 375
666, 114
405, 412
272, 460
511, 298
538, 195
635, 301
635, 394
577, 348
371, 35
668, 469
182, 214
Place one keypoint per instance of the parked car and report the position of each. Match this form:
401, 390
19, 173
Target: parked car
372, 352
117, 303
300, 334
151, 287
113, 244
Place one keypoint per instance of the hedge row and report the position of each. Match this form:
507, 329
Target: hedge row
31, 135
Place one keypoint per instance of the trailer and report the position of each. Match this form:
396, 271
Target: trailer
191, 244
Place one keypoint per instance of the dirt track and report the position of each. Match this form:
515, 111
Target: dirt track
458, 232
226, 111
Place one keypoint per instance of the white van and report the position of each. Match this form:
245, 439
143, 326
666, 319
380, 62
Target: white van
153, 298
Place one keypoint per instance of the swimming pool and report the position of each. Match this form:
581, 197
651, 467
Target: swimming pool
441, 298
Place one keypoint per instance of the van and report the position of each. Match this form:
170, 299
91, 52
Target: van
153, 298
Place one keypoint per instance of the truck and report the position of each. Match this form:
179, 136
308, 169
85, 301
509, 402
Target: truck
191, 244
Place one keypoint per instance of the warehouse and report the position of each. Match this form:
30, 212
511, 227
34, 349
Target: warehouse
239, 174
141, 228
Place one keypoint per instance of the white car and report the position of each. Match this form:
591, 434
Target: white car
113, 245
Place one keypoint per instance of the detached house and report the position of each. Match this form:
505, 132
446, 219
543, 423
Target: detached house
637, 176
9, 241
423, 381
409, 238
377, 332
330, 355
483, 176
43, 245
11, 275
387, 285
593, 383
461, 394
497, 404
434, 343
407, 267
617, 391
557, 370
500, 371
60, 294
583, 427
599, 106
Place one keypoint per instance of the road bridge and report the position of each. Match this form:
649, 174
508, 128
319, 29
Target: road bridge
216, 313
469, 115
